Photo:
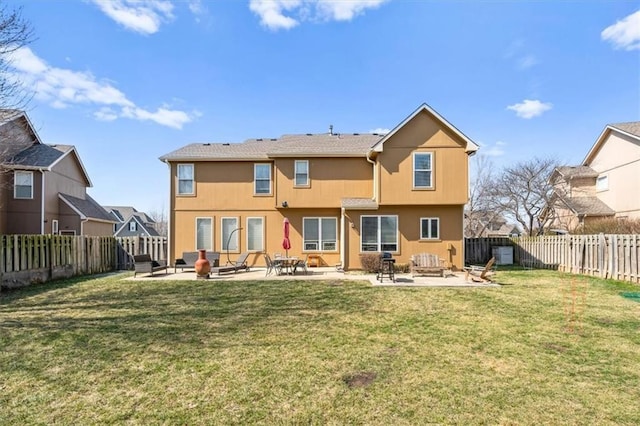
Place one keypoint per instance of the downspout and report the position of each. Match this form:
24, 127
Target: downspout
169, 219
342, 235
82, 222
375, 176
42, 192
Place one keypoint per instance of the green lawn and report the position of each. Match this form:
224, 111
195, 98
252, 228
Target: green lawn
544, 348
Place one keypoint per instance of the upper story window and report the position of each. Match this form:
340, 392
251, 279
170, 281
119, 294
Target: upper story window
132, 226
262, 178
23, 185
429, 228
423, 170
185, 179
602, 183
379, 233
302, 173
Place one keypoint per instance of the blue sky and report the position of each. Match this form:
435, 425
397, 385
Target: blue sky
128, 81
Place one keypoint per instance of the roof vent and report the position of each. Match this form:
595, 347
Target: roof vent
309, 134
274, 139
331, 129
260, 139
356, 134
206, 144
225, 144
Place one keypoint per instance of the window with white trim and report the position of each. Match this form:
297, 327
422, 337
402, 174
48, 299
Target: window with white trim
379, 233
132, 226
23, 185
262, 178
229, 238
301, 173
429, 228
255, 233
602, 183
422, 170
320, 233
204, 233
54, 227
186, 185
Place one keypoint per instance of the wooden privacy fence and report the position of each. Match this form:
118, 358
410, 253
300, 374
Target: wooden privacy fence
26, 259
605, 256
127, 247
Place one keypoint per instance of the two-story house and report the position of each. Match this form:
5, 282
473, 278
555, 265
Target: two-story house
43, 187
131, 222
606, 184
343, 194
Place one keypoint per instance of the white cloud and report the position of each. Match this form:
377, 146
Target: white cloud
380, 131
624, 34
527, 62
495, 150
276, 14
142, 16
62, 88
530, 108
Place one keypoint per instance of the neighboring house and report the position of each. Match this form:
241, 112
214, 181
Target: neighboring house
606, 184
488, 224
43, 187
344, 194
130, 222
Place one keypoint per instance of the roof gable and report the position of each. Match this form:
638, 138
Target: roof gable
470, 146
630, 129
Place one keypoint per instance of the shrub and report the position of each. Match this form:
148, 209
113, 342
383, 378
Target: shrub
370, 262
401, 268
610, 226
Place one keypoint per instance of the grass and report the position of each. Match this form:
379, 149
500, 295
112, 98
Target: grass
544, 348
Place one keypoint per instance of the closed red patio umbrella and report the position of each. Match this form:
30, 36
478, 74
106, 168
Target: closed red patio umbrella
286, 243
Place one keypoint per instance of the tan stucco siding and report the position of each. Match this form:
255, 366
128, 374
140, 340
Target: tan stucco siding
97, 229
449, 168
619, 160
449, 246
184, 232
330, 179
221, 186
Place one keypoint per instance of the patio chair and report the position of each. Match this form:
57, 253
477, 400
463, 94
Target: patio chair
271, 265
238, 265
301, 264
145, 265
478, 273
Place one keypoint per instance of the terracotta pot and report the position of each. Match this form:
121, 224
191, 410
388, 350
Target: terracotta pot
203, 266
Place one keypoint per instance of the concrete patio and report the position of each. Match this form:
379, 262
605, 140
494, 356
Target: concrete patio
455, 279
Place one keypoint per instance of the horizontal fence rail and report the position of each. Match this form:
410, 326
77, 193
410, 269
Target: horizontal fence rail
604, 255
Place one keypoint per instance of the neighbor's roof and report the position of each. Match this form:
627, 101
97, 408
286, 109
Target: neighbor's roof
570, 172
86, 208
631, 129
590, 206
324, 144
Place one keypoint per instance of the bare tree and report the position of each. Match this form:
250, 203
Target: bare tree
523, 191
483, 207
160, 217
15, 33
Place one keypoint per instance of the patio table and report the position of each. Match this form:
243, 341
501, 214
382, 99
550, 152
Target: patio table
286, 264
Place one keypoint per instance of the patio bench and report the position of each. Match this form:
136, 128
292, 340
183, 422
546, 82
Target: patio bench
143, 264
427, 263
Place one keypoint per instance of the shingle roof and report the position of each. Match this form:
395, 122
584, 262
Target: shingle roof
287, 145
632, 127
590, 206
87, 207
39, 155
359, 204
577, 171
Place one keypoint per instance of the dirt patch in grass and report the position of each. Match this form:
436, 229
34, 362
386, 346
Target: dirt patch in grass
361, 379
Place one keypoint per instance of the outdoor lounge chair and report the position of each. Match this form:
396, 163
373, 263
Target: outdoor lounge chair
478, 273
427, 263
145, 265
188, 260
238, 265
